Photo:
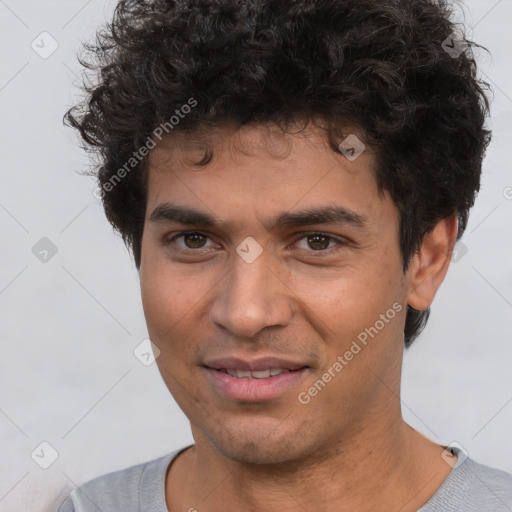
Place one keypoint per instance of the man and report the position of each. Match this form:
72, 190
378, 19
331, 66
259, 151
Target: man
292, 178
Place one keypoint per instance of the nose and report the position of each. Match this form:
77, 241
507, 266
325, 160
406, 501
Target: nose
251, 297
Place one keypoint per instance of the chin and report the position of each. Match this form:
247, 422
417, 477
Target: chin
253, 452
260, 443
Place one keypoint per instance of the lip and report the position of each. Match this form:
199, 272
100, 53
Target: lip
254, 390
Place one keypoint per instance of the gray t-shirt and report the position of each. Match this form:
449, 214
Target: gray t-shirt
470, 487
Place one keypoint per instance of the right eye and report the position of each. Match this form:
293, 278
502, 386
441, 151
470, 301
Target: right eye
193, 241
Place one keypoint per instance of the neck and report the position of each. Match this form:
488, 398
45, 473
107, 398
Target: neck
367, 469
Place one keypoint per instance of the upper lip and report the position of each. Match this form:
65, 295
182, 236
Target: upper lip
254, 365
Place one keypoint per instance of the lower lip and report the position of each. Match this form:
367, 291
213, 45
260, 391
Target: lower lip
255, 390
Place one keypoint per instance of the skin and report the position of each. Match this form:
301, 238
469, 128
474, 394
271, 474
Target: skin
348, 448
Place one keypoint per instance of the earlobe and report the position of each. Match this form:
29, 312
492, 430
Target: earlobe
430, 263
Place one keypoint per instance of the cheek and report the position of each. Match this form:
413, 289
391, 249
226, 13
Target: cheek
357, 290
166, 300
170, 306
342, 306
166, 303
166, 295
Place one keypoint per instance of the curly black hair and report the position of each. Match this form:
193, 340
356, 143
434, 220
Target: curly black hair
402, 71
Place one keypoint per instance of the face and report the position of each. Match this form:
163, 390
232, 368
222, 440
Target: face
239, 278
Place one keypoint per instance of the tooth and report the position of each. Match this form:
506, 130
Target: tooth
261, 374
258, 374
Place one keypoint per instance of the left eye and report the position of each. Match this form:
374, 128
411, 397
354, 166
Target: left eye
318, 241
315, 242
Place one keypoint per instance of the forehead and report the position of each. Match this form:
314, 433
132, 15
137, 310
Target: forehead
259, 164
190, 149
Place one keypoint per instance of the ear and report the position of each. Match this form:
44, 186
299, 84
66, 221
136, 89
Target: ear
428, 267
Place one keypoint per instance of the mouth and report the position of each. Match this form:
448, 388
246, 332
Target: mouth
254, 381
258, 374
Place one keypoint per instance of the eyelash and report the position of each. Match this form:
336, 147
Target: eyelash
340, 242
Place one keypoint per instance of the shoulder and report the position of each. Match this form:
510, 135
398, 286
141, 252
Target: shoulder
492, 482
473, 487
136, 488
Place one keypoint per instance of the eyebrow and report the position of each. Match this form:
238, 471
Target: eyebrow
324, 215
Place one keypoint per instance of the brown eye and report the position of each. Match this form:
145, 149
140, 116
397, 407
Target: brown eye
188, 241
194, 240
319, 242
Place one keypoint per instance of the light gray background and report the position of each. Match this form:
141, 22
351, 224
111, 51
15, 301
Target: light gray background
69, 326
